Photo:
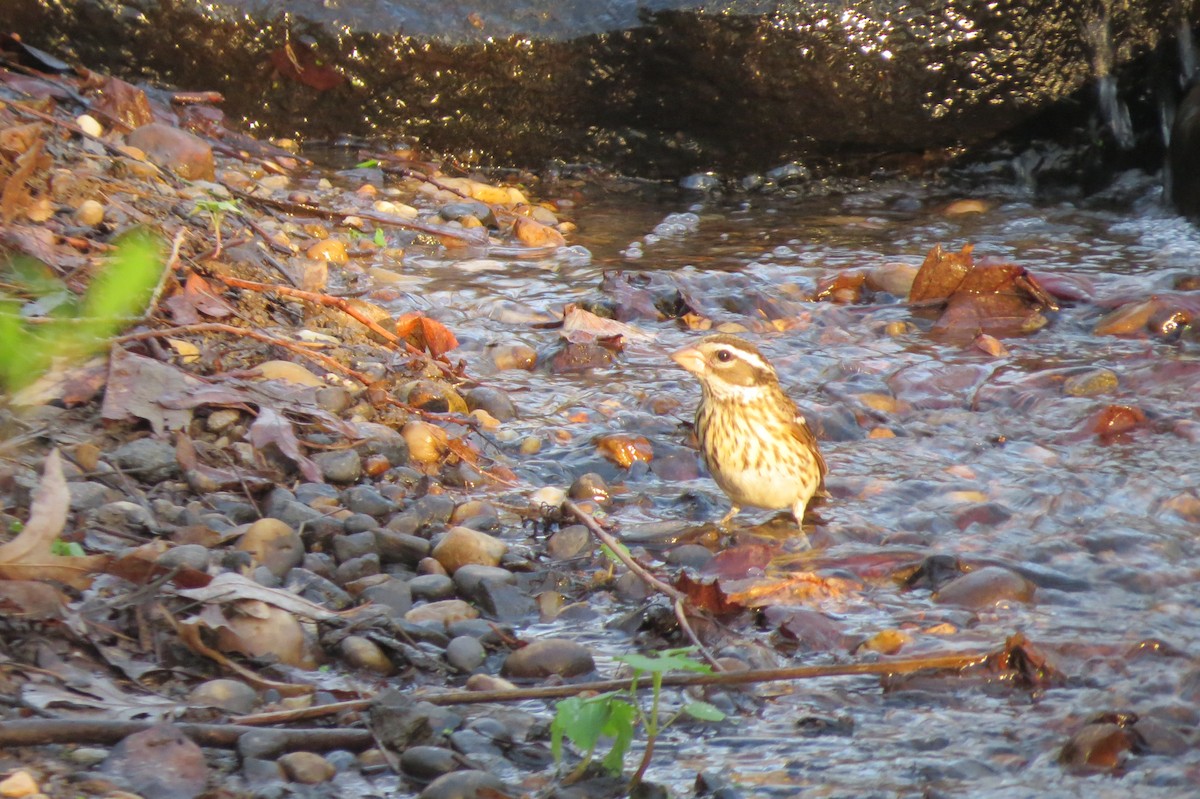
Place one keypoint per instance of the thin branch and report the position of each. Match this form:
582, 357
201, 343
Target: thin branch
38, 732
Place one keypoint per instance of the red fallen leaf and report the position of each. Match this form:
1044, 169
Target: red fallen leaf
297, 61
738, 561
426, 334
706, 595
1116, 420
197, 297
941, 273
997, 314
465, 450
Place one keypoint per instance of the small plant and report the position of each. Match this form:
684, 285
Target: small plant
216, 210
43, 320
615, 715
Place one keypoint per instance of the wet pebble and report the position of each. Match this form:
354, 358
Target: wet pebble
590, 486
468, 784
476, 514
985, 587
461, 546
465, 653
231, 696
1102, 746
570, 542
123, 515
431, 566
274, 544
549, 656
429, 762
359, 523
433, 509
462, 475
315, 588
363, 653
339, 466
307, 768
261, 744
382, 440
514, 356
502, 601
473, 743
367, 500
495, 402
1091, 383
692, 556
147, 459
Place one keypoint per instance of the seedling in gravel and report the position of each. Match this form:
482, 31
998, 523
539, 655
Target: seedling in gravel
615, 715
216, 210
45, 320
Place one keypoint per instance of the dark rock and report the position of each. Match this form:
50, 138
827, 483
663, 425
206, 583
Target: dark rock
692, 556
346, 547
339, 466
158, 763
431, 587
590, 486
985, 587
429, 762
90, 495
266, 744
397, 547
334, 399
465, 653
467, 579
570, 542
407, 522
365, 499
356, 569
191, 556
503, 602
318, 589
470, 742
147, 459
462, 475
487, 632
392, 594
433, 509
359, 523
398, 722
309, 493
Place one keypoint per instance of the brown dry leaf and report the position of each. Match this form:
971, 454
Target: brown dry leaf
998, 314
28, 599
137, 387
272, 428
624, 450
533, 233
941, 273
706, 595
1116, 420
28, 556
197, 297
17, 139
584, 327
15, 195
426, 334
737, 561
233, 587
846, 288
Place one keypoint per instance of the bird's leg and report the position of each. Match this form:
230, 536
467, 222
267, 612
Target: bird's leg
801, 538
725, 519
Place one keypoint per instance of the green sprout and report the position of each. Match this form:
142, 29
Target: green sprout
216, 210
615, 715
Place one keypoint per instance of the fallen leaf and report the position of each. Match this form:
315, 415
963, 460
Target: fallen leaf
940, 273
584, 327
426, 334
272, 428
195, 298
136, 387
29, 556
624, 450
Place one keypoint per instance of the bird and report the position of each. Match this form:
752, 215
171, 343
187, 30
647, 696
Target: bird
756, 444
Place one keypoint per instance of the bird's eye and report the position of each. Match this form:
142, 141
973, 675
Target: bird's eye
724, 356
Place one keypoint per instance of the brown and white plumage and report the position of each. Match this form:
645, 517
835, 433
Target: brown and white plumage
754, 442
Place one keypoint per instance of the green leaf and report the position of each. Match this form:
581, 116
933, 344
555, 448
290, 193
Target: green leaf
608, 553
380, 238
127, 282
581, 721
662, 662
368, 164
66, 548
703, 711
621, 720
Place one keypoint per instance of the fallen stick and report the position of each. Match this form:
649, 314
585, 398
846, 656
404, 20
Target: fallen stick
883, 667
38, 732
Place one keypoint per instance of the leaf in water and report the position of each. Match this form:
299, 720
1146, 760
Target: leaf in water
703, 711
624, 450
426, 334
737, 561
802, 586
584, 327
29, 556
707, 594
941, 273
680, 659
1116, 420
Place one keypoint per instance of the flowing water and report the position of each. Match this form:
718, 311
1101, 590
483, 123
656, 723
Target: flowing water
934, 447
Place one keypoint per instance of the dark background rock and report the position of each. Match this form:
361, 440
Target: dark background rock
660, 88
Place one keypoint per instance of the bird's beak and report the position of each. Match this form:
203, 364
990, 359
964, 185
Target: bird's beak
689, 358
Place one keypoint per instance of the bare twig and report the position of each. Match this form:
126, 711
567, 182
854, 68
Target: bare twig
102, 731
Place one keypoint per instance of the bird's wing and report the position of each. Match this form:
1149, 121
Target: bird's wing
801, 432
